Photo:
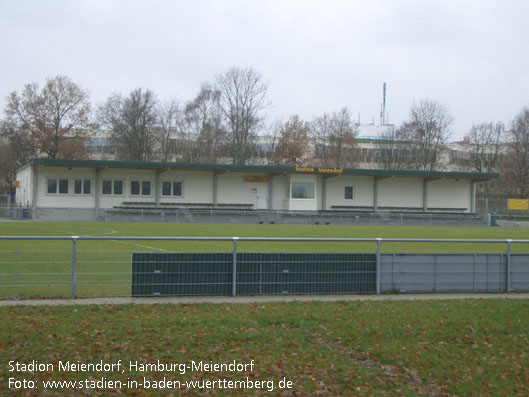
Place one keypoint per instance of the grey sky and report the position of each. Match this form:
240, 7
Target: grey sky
317, 55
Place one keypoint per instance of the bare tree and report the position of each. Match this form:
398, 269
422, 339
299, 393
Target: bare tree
203, 120
243, 97
342, 140
333, 138
485, 141
391, 151
55, 117
170, 124
293, 142
16, 149
514, 167
319, 133
426, 132
133, 122
272, 140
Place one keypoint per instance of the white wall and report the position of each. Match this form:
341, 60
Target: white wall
279, 192
362, 191
197, 186
400, 192
231, 188
126, 175
449, 193
24, 192
70, 200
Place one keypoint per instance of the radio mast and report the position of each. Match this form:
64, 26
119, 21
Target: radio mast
383, 116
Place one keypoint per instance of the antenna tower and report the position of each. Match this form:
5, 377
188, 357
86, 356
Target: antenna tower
383, 116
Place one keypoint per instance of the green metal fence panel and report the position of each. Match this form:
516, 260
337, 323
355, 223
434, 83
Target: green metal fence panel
257, 273
159, 274
305, 273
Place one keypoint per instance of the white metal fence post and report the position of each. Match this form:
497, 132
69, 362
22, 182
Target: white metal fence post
74, 265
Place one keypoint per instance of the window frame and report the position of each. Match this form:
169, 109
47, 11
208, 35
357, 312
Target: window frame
172, 188
83, 186
112, 187
352, 193
291, 192
142, 187
58, 186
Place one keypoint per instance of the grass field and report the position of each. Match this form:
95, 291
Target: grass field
43, 268
471, 347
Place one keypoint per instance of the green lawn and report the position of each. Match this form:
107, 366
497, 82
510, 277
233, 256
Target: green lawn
472, 347
43, 268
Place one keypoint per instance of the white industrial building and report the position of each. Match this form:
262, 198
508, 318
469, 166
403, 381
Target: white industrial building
50, 183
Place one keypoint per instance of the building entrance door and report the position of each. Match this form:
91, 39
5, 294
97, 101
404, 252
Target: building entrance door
262, 197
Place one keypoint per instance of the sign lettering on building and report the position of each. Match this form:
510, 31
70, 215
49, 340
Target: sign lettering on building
320, 170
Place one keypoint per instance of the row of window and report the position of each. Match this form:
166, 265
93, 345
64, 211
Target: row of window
62, 186
300, 190
113, 187
306, 190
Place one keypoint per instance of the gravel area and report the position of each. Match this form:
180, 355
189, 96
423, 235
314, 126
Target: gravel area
252, 299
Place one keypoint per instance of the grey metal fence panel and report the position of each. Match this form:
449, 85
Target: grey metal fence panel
520, 272
418, 273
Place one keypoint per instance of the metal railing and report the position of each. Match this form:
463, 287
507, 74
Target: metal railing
240, 216
401, 273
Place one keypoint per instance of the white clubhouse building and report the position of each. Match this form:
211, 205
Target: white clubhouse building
99, 184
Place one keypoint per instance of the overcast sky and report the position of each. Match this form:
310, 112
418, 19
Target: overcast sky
318, 56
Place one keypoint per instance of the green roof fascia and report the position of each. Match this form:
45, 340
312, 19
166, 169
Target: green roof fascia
161, 165
425, 174
259, 169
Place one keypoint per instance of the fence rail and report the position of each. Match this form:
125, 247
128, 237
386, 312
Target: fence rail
260, 273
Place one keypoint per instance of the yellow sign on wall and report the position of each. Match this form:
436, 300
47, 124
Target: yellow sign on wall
518, 204
258, 179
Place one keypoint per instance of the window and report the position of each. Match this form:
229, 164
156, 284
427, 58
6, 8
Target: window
112, 187
82, 186
348, 193
135, 188
303, 190
146, 188
172, 188
140, 188
118, 187
166, 188
52, 186
177, 189
59, 186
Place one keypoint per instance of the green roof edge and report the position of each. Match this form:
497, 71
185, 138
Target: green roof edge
255, 168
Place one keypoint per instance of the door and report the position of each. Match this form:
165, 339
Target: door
262, 197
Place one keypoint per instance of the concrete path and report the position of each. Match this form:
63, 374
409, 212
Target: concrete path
253, 299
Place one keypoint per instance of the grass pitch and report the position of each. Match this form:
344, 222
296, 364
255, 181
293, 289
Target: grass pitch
43, 268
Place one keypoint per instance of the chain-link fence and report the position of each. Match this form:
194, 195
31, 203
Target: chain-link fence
161, 266
5, 206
